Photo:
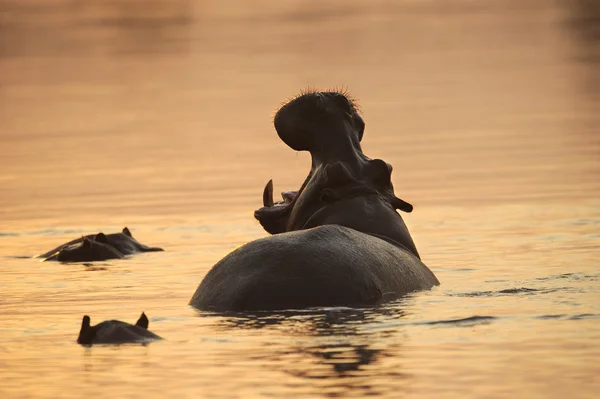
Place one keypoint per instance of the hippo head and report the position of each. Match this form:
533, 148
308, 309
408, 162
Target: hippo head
114, 331
89, 250
344, 186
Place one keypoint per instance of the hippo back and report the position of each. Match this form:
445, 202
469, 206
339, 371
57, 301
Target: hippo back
328, 265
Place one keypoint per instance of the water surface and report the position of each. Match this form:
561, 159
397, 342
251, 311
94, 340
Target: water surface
158, 116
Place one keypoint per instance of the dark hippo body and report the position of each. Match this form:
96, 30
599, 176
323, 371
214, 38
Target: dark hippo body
115, 332
123, 243
87, 251
324, 266
338, 241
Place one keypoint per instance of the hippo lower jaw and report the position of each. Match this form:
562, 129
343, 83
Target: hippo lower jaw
273, 216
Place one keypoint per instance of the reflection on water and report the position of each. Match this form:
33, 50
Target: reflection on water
156, 115
334, 321
348, 355
344, 358
583, 24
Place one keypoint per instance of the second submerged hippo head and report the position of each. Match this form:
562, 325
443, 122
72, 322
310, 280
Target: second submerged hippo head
344, 186
89, 250
115, 332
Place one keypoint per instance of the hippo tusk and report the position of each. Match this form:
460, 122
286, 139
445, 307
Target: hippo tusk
268, 194
397, 203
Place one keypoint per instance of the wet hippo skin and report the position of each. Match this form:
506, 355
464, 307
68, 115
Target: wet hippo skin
338, 240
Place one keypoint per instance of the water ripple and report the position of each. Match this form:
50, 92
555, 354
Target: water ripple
464, 322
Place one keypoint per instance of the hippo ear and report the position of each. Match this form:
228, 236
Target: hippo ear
86, 334
86, 243
380, 171
101, 237
402, 205
142, 321
127, 232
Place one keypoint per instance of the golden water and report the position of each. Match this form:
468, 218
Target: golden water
157, 115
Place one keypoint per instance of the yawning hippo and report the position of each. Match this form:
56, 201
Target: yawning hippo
338, 241
115, 332
123, 242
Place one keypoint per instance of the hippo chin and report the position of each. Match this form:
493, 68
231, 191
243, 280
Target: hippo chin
123, 243
338, 240
115, 332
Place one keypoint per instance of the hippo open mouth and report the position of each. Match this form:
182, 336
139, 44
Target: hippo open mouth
328, 125
337, 241
273, 216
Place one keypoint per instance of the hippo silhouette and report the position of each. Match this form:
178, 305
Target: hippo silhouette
115, 332
89, 251
123, 243
338, 240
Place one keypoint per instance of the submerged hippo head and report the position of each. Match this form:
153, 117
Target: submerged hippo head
126, 244
115, 332
89, 250
344, 186
122, 242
